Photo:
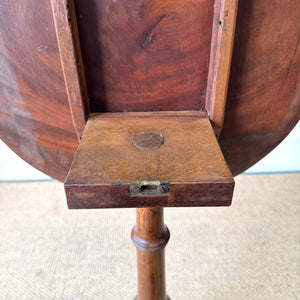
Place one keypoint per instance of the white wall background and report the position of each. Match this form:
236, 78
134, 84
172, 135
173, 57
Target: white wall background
284, 158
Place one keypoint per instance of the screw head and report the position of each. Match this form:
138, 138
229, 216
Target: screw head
134, 189
164, 189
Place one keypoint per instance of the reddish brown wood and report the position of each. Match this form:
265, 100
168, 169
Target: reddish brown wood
220, 59
35, 118
263, 96
64, 16
107, 162
263, 101
145, 55
148, 56
150, 235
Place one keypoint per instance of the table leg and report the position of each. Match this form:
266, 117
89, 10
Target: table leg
150, 235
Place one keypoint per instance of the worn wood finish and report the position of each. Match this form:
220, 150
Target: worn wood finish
106, 163
35, 118
70, 54
162, 60
263, 97
145, 55
220, 59
263, 102
150, 235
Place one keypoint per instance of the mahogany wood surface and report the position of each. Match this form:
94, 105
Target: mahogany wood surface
263, 102
263, 94
107, 161
150, 235
220, 59
145, 55
64, 16
35, 117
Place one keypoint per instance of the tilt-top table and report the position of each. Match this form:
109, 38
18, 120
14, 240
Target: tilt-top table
147, 104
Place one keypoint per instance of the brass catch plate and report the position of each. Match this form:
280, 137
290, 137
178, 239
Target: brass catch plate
149, 188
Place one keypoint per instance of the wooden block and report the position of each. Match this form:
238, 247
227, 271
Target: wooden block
148, 159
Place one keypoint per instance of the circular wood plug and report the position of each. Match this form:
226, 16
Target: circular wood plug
147, 140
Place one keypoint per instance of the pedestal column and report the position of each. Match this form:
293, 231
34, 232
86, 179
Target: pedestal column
150, 235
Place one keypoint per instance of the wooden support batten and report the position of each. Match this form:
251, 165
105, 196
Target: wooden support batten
65, 22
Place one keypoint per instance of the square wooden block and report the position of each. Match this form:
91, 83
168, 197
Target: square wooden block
146, 160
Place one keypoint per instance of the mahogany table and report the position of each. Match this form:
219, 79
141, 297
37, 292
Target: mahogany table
148, 104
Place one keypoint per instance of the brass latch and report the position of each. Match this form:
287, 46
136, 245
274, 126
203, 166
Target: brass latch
149, 188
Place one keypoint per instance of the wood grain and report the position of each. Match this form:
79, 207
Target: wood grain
220, 59
145, 55
150, 235
263, 102
70, 54
35, 118
106, 163
263, 94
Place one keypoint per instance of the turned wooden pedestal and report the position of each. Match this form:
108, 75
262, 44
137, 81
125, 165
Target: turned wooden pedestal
150, 235
149, 161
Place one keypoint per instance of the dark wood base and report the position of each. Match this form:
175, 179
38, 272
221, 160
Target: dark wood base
150, 236
168, 298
